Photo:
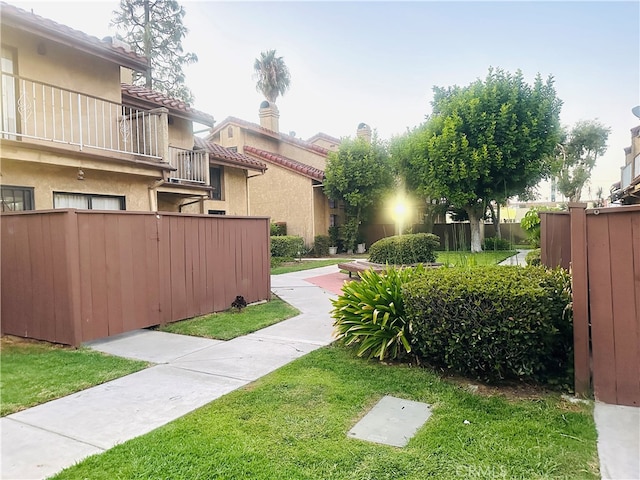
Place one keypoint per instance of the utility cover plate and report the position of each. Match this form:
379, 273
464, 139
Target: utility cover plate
392, 421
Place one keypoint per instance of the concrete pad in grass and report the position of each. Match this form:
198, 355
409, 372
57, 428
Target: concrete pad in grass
392, 421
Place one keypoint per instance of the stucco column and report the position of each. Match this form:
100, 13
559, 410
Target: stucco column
162, 129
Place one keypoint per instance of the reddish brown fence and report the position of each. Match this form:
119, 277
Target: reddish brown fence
604, 247
70, 276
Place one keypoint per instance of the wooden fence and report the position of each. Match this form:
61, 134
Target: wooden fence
604, 248
70, 276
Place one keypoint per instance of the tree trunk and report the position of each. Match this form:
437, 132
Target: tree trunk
474, 218
495, 217
147, 45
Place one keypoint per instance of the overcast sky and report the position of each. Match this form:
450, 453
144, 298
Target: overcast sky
376, 62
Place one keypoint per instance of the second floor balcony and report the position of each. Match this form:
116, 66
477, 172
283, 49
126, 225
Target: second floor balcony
40, 112
630, 172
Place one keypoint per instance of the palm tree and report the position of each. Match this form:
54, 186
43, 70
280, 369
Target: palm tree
272, 75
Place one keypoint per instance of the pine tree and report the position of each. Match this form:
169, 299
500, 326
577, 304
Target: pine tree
155, 30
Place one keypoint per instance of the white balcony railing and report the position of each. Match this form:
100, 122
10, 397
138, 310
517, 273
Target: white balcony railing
192, 166
627, 176
38, 111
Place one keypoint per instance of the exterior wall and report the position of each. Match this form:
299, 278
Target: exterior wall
46, 178
234, 193
320, 212
295, 207
324, 143
301, 155
180, 133
62, 66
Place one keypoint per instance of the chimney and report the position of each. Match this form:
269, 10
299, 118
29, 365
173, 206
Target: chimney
364, 132
269, 116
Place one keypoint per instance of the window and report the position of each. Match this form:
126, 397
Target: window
16, 199
215, 174
333, 220
9, 119
217, 212
230, 132
88, 201
332, 203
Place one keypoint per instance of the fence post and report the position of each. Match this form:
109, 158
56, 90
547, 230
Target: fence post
580, 289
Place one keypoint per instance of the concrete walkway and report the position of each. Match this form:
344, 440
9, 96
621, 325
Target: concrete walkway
517, 259
190, 372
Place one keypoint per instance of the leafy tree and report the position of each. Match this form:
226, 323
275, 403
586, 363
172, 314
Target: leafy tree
154, 29
359, 174
485, 142
272, 75
576, 156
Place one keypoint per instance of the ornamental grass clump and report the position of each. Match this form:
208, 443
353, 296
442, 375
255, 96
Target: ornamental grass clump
370, 315
493, 322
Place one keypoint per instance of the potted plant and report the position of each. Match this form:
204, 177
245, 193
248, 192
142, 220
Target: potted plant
334, 239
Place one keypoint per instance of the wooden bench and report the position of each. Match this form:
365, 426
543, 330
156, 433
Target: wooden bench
361, 266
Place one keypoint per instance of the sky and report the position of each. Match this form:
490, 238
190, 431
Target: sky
377, 62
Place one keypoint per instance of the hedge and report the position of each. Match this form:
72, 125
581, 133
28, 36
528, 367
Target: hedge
493, 322
495, 243
405, 249
321, 245
287, 246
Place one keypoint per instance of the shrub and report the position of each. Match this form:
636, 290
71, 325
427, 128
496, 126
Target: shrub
370, 313
321, 245
493, 322
495, 243
286, 246
334, 236
278, 229
405, 249
533, 257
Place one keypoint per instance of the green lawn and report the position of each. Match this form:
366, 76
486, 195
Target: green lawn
293, 424
450, 258
36, 372
305, 264
231, 324
467, 259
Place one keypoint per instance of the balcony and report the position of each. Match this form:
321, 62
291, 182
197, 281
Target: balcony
191, 166
630, 173
38, 111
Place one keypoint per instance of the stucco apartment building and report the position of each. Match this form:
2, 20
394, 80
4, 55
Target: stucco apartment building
291, 190
627, 191
75, 134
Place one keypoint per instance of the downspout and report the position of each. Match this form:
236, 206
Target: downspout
246, 183
153, 196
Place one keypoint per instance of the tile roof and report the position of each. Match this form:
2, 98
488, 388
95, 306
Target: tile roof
324, 136
281, 136
221, 153
145, 98
288, 163
21, 19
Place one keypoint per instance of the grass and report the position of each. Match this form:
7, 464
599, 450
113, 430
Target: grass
451, 258
464, 259
231, 324
299, 265
293, 424
35, 372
